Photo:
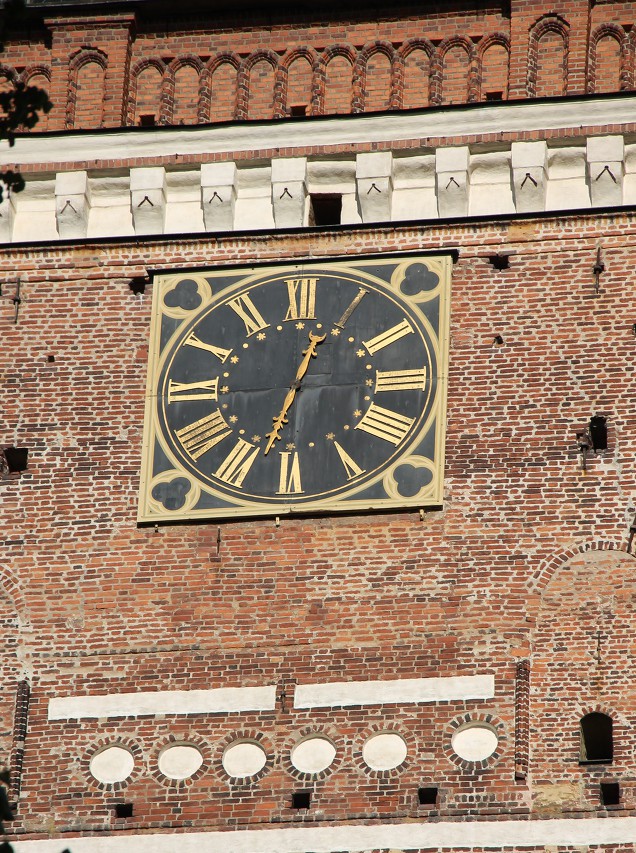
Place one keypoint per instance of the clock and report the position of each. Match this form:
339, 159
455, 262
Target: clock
312, 388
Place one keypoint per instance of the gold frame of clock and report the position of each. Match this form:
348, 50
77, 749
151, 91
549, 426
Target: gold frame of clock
307, 388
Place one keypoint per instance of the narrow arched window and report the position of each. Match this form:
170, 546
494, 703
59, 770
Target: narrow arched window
597, 740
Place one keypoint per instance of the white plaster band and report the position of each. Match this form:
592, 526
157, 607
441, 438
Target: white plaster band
356, 839
249, 136
401, 691
221, 700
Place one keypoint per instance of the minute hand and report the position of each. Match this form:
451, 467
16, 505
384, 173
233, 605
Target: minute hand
281, 419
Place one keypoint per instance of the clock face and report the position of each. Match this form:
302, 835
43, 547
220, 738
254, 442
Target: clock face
304, 388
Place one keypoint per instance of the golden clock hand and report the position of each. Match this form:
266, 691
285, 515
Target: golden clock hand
281, 419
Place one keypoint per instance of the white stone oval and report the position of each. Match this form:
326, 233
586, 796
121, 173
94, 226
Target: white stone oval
112, 764
384, 751
244, 758
180, 760
475, 742
313, 754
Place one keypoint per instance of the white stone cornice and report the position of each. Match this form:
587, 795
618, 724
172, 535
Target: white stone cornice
508, 118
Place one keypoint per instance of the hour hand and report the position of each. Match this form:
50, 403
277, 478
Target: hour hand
280, 420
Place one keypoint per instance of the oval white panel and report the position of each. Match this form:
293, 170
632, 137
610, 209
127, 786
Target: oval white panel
384, 751
113, 764
244, 759
180, 761
313, 754
475, 743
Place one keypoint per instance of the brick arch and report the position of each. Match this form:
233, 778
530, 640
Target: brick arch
133, 97
281, 104
618, 34
361, 75
245, 83
543, 26
439, 86
548, 568
10, 586
36, 71
335, 51
209, 96
84, 56
37, 75
406, 49
488, 42
170, 85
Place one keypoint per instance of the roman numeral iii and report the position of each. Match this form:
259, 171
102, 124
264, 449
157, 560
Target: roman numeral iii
400, 380
302, 298
386, 424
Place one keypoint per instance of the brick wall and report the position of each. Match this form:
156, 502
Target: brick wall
112, 70
515, 567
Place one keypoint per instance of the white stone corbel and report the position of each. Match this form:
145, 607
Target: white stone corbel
218, 195
72, 204
374, 184
7, 215
289, 191
606, 169
451, 166
148, 199
529, 175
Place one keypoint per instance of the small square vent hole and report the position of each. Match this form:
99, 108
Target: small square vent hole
301, 800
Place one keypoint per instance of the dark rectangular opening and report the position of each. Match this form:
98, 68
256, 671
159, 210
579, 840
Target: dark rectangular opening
298, 110
123, 810
610, 793
301, 800
598, 432
494, 96
325, 209
427, 796
147, 121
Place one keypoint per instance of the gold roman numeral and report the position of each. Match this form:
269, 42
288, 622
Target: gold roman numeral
302, 298
350, 466
206, 390
289, 474
249, 314
199, 437
356, 301
237, 463
389, 337
386, 424
193, 341
400, 380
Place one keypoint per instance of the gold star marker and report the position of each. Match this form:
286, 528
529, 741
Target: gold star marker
261, 336
335, 332
225, 389
360, 353
330, 436
300, 325
368, 382
235, 359
357, 413
290, 446
233, 419
256, 439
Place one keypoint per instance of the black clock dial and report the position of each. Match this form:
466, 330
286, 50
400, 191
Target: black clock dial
297, 387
